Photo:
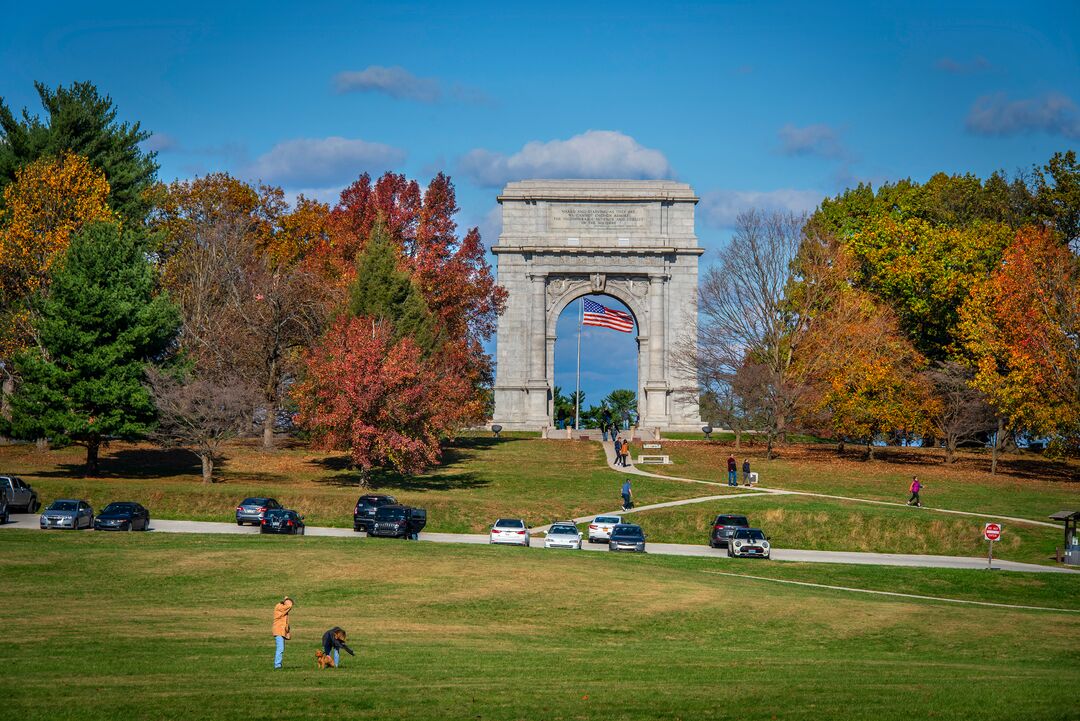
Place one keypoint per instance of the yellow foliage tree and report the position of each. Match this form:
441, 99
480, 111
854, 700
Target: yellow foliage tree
50, 200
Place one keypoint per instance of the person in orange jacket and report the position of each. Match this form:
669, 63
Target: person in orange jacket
281, 629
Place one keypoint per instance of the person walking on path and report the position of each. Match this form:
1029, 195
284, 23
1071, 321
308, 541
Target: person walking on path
625, 451
332, 643
746, 471
281, 629
732, 471
915, 488
627, 496
618, 452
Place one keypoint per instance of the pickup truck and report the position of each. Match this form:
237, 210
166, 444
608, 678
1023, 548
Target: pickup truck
20, 496
398, 521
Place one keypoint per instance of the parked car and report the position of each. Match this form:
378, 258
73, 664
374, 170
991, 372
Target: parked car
749, 542
627, 537
68, 513
398, 521
20, 496
123, 516
252, 510
600, 528
282, 520
5, 516
723, 527
363, 517
563, 534
510, 531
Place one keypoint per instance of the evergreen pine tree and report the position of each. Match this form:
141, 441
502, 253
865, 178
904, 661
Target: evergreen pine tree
84, 122
387, 293
98, 328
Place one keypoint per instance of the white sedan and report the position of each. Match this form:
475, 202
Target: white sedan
563, 535
600, 528
510, 531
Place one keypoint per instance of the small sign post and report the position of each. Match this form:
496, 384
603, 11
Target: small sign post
991, 532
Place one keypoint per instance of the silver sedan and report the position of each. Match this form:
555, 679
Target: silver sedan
563, 535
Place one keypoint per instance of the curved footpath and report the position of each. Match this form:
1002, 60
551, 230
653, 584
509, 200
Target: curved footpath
28, 521
609, 449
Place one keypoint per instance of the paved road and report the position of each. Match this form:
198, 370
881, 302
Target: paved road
30, 521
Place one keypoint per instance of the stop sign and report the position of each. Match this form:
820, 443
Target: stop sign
992, 531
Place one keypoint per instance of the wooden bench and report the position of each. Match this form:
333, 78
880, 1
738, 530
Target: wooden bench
658, 459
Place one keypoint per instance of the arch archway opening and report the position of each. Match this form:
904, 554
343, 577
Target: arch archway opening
606, 372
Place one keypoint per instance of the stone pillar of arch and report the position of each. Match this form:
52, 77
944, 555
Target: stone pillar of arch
561, 240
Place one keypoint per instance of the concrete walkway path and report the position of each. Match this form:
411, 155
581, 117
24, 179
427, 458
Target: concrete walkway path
27, 521
609, 450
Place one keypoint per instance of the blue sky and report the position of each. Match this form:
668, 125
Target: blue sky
754, 104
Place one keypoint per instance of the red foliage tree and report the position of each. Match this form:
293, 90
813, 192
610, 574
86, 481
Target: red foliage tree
379, 399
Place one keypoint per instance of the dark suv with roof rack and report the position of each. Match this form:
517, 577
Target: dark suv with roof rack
363, 517
396, 521
724, 527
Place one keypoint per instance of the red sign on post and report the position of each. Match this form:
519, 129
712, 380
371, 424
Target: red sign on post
992, 531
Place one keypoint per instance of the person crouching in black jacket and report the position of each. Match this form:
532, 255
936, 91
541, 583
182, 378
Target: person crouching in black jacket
333, 641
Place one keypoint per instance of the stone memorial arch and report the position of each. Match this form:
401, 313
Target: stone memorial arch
564, 239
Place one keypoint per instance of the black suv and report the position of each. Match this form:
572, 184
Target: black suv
724, 527
397, 521
363, 516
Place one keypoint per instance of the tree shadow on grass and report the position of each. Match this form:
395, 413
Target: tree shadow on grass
379, 479
135, 463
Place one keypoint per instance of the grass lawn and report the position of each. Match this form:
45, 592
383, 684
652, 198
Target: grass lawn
828, 525
1028, 486
481, 479
139, 626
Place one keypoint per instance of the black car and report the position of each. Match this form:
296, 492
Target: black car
282, 520
363, 517
724, 527
627, 537
398, 521
123, 516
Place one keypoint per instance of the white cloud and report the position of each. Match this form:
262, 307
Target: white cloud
1052, 113
491, 225
592, 154
321, 162
161, 143
396, 81
958, 67
820, 139
719, 208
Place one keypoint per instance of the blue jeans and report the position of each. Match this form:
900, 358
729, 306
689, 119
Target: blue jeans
732, 478
337, 660
604, 432
279, 650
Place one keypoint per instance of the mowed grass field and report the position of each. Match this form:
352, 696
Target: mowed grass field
147, 626
481, 479
1027, 485
830, 525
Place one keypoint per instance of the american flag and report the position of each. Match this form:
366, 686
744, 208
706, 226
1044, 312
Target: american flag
596, 314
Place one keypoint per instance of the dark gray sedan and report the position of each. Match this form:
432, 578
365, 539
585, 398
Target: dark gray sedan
627, 537
68, 513
253, 510
123, 516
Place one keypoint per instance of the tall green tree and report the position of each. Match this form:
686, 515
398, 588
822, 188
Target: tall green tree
385, 292
81, 120
98, 329
623, 405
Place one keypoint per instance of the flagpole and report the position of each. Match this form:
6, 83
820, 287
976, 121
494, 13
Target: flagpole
577, 381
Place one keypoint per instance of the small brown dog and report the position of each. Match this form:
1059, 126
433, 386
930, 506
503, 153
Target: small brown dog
323, 661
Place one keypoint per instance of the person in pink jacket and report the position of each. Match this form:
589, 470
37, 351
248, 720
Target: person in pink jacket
915, 488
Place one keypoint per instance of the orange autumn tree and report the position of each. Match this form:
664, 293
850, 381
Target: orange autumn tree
1021, 327
49, 200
